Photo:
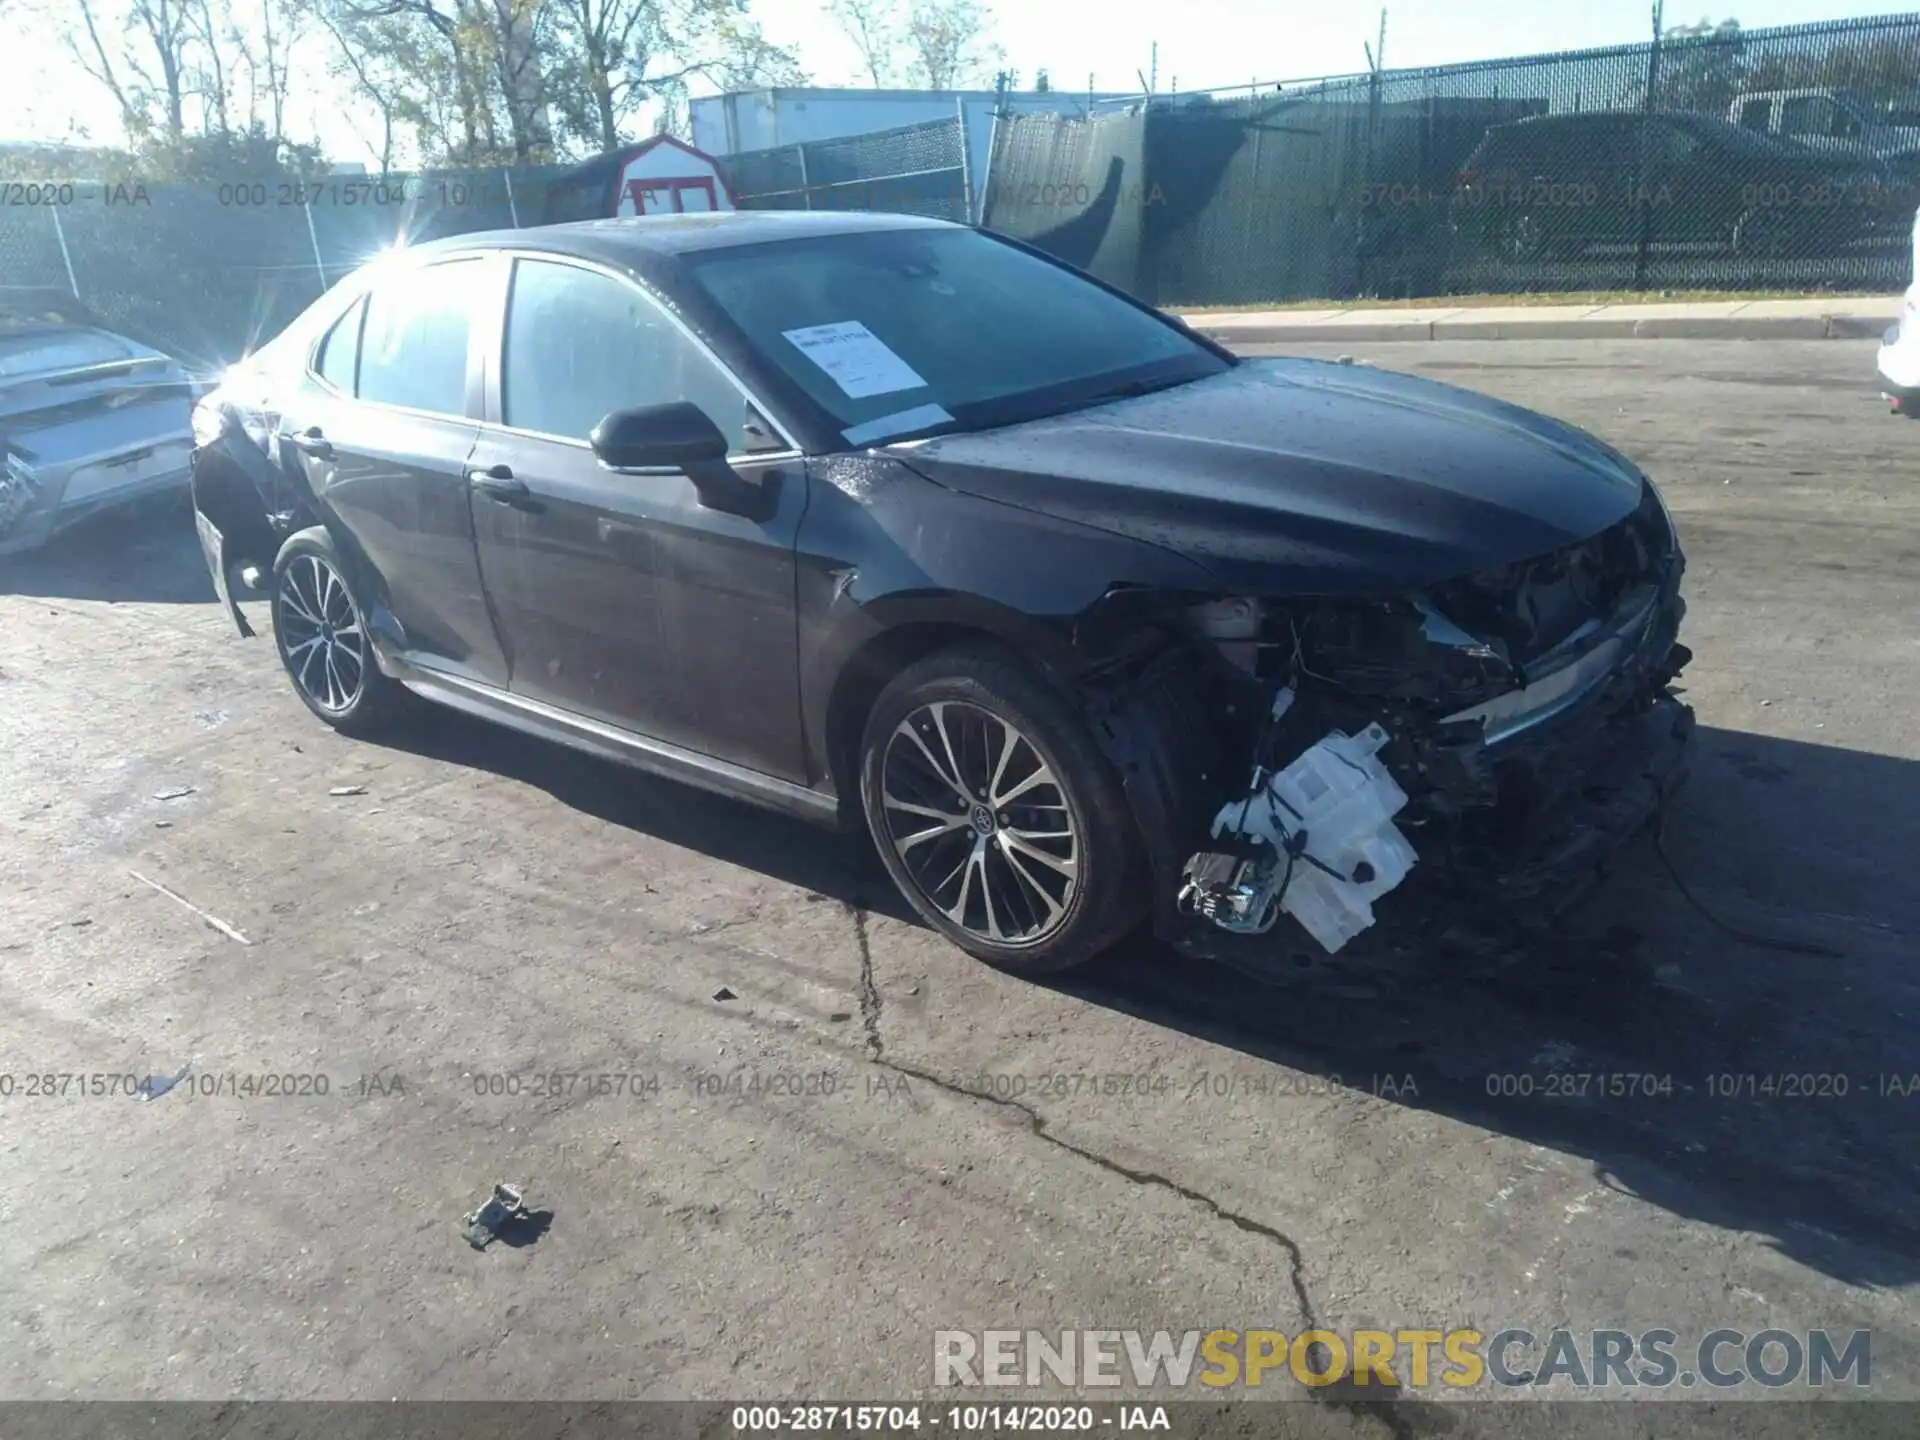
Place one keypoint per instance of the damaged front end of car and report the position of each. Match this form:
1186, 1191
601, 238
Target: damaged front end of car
1465, 756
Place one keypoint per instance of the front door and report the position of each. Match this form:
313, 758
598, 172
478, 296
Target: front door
620, 596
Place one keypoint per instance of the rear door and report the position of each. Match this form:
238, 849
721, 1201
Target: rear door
619, 595
384, 431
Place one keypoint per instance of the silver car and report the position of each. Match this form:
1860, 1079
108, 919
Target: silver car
89, 419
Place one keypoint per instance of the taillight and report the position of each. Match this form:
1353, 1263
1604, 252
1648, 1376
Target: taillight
208, 421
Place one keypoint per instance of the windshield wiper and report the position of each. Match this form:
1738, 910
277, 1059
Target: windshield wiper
1132, 390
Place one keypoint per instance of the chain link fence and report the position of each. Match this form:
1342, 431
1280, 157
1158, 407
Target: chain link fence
1763, 160
1778, 159
207, 271
914, 169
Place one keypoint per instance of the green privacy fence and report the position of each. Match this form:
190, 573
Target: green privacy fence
911, 169
1769, 159
1776, 159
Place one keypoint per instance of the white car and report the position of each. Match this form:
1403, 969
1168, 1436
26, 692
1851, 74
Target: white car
1900, 348
89, 419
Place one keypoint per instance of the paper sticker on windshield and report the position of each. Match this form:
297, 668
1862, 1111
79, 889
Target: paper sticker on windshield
855, 357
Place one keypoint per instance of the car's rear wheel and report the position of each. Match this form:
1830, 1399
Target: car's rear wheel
319, 629
997, 815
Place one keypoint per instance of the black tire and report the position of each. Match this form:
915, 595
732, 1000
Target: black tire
1048, 918
316, 624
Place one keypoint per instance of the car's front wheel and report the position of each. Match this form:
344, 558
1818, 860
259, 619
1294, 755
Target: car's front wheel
319, 629
997, 815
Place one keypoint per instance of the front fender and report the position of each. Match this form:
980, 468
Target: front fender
883, 551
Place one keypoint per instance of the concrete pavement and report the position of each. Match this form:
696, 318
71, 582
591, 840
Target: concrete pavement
1839, 317
503, 961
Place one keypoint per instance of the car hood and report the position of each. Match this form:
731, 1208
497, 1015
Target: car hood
1298, 476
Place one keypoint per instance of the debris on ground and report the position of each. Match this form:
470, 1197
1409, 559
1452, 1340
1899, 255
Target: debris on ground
163, 824
175, 792
214, 920
724, 994
501, 1208
154, 1086
348, 790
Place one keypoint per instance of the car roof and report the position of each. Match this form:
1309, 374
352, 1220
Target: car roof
627, 238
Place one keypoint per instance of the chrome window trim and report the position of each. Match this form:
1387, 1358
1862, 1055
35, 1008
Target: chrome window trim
792, 450
756, 456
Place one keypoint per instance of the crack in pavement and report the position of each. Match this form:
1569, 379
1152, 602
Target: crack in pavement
1397, 1425
1037, 1124
869, 992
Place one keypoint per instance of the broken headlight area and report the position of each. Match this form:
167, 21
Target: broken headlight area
1492, 739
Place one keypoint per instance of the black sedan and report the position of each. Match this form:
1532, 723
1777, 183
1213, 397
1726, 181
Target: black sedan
1564, 185
887, 521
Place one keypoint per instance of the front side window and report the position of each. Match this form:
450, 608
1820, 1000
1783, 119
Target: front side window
581, 345
1757, 114
413, 347
893, 332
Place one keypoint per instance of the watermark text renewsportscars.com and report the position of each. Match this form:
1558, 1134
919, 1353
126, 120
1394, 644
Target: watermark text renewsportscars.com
1512, 1358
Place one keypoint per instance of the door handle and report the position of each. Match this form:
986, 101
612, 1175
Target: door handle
311, 442
498, 483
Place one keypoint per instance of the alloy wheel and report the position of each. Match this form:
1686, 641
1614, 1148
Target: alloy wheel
321, 635
980, 822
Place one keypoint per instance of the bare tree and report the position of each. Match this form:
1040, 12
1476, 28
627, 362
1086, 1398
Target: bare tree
517, 40
359, 47
139, 50
950, 41
874, 28
445, 47
91, 51
168, 30
265, 53
215, 38
611, 58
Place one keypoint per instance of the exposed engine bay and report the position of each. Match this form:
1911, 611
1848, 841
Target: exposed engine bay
1487, 741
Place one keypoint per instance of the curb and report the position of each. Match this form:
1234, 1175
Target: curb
1552, 327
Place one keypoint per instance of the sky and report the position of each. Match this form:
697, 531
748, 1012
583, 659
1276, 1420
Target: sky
1202, 44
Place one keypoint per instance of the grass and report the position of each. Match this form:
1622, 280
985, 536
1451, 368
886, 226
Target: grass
1532, 297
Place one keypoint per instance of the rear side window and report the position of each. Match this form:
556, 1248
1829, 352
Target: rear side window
413, 347
581, 345
341, 349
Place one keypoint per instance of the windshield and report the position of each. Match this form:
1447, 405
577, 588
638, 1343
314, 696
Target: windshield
901, 332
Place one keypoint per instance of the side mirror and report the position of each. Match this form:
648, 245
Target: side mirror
680, 436
657, 437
